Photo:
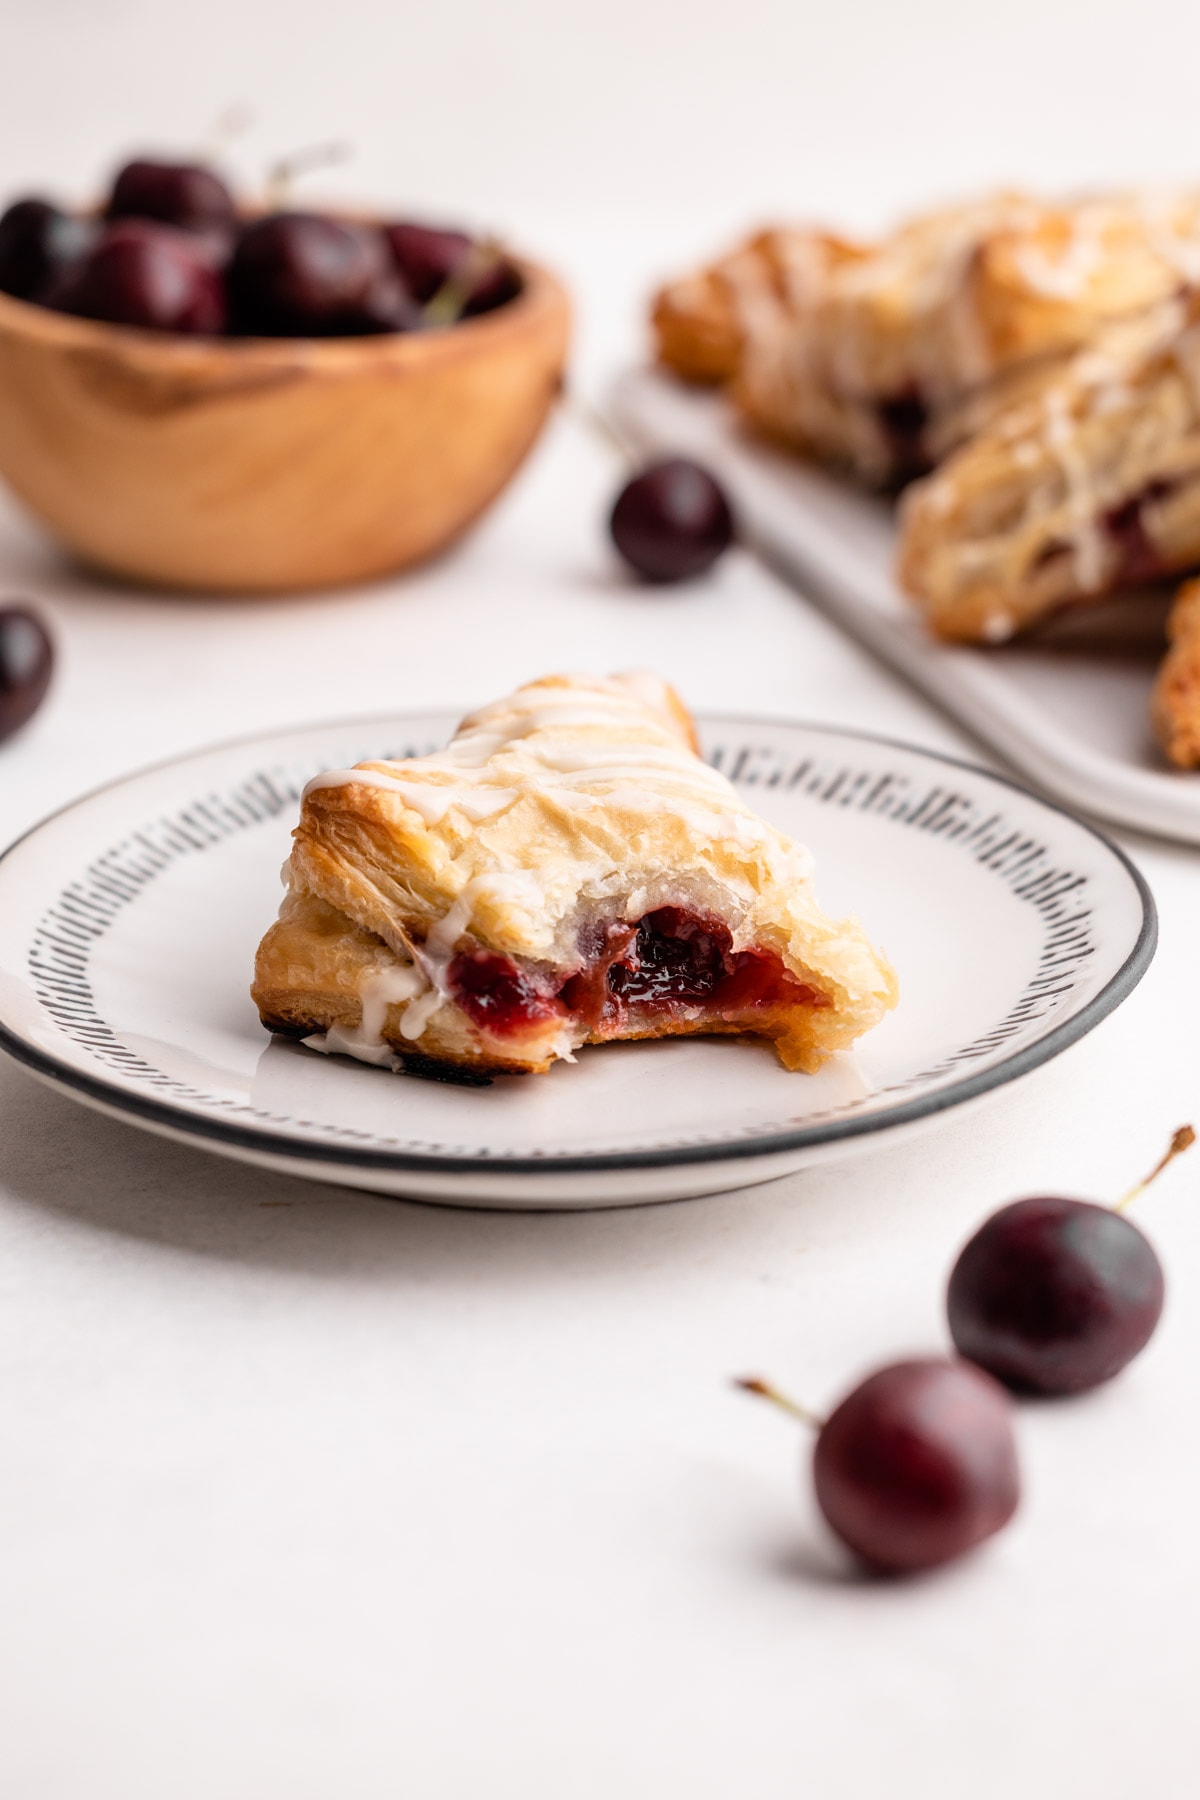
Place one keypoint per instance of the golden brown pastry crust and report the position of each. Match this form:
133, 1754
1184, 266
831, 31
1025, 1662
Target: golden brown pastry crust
877, 365
956, 298
1092, 483
1175, 702
433, 901
702, 320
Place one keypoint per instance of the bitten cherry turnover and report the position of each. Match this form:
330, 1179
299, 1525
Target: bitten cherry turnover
567, 871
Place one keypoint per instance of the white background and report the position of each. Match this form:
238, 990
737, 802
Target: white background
304, 1494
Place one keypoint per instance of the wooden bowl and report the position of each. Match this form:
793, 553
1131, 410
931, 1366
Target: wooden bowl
264, 465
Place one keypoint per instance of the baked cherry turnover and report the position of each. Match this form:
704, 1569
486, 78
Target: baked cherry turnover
567, 871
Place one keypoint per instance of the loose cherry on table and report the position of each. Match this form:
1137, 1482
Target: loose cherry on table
671, 521
38, 244
26, 664
298, 274
145, 274
1055, 1296
917, 1465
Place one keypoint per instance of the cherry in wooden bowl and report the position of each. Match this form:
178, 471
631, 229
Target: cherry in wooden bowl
254, 466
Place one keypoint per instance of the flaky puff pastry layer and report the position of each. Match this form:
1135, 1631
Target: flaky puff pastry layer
574, 808
1091, 483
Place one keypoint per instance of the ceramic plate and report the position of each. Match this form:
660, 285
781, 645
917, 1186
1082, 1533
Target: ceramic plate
128, 924
1069, 708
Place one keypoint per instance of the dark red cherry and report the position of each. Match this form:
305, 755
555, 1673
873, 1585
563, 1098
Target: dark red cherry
26, 661
297, 274
428, 256
671, 521
1054, 1296
918, 1464
185, 195
38, 244
388, 306
139, 273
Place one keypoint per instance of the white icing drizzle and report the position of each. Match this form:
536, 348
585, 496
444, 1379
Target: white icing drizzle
440, 944
557, 707
339, 1040
1065, 268
489, 769
1087, 538
803, 266
513, 887
972, 356
1158, 232
748, 280
391, 987
472, 749
418, 1013
365, 1041
432, 802
361, 777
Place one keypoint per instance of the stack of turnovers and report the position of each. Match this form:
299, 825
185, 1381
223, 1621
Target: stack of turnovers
1032, 370
567, 871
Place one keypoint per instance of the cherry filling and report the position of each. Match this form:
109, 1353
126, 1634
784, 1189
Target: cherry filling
670, 961
499, 997
674, 960
681, 959
588, 993
903, 420
677, 957
1126, 527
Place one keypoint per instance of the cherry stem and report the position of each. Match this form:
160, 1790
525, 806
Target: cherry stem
232, 122
445, 307
281, 176
754, 1384
1183, 1140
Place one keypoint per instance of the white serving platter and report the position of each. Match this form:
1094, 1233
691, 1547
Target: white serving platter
1069, 710
128, 925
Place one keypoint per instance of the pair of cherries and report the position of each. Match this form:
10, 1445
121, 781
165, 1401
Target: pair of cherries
170, 251
1050, 1297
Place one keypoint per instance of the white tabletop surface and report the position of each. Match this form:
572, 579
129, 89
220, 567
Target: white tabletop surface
305, 1494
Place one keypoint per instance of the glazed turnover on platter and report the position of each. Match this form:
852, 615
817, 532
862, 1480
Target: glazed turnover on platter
567, 871
880, 357
1027, 370
1090, 484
